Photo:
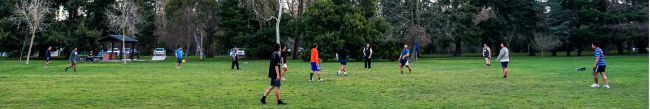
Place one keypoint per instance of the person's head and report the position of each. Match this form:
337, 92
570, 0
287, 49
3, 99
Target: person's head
485, 45
276, 47
406, 46
315, 45
75, 49
49, 48
595, 45
91, 51
368, 45
284, 48
180, 48
503, 44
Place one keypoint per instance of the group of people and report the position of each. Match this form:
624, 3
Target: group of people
74, 56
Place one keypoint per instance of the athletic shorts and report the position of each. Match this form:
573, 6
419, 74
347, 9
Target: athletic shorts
504, 64
179, 60
600, 68
284, 65
314, 66
344, 62
403, 62
275, 83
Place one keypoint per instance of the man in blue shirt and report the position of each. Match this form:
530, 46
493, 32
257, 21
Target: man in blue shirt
73, 60
599, 65
403, 59
48, 56
179, 57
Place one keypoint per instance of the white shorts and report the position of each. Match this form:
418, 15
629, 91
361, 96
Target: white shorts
284, 65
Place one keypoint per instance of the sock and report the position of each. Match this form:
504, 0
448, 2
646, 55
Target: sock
311, 76
504, 76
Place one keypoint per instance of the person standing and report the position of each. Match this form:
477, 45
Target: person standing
235, 58
367, 54
73, 60
179, 57
283, 55
342, 55
504, 58
487, 54
599, 65
48, 56
403, 59
314, 60
274, 75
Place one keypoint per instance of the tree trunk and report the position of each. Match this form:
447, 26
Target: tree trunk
531, 50
579, 51
294, 53
554, 52
29, 51
459, 48
277, 23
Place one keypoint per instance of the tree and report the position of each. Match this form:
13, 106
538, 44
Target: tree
545, 42
31, 13
124, 18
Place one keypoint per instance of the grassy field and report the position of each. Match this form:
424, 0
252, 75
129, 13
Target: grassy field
535, 82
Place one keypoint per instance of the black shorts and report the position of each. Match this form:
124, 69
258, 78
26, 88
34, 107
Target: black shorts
504, 64
179, 60
275, 83
600, 68
344, 62
403, 62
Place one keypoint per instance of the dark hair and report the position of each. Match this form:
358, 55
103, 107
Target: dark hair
597, 44
504, 44
276, 47
314, 45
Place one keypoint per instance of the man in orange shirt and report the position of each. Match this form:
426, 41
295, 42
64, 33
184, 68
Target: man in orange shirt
315, 67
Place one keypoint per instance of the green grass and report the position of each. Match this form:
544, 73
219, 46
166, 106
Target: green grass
535, 82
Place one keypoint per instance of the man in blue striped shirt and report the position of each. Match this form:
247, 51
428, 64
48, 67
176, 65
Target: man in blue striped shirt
599, 65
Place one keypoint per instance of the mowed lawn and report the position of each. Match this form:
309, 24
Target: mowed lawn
535, 82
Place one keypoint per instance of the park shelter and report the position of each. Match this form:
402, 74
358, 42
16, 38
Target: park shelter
111, 39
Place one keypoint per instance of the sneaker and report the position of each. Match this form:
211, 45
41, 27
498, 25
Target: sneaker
338, 73
284, 79
66, 69
595, 86
345, 74
311, 79
606, 86
281, 103
321, 80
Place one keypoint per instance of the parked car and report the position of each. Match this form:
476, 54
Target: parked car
240, 52
159, 52
128, 51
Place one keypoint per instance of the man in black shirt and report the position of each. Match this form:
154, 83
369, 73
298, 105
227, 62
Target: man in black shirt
274, 75
342, 55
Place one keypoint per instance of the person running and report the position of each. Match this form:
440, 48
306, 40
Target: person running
235, 58
367, 54
487, 54
314, 60
403, 59
504, 58
274, 75
283, 55
48, 56
342, 55
73, 60
179, 57
599, 65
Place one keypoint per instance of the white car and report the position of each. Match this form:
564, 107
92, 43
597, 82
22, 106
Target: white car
159, 52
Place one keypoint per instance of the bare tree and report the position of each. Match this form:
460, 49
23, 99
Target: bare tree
261, 10
124, 19
31, 13
545, 42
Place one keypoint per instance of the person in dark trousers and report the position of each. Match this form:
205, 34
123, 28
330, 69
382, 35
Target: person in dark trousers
367, 54
274, 75
235, 58
73, 60
342, 56
48, 56
504, 58
599, 65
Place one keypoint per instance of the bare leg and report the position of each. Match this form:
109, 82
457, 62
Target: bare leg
268, 90
604, 78
595, 77
277, 93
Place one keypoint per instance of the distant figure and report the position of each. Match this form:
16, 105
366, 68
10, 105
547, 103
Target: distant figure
73, 60
274, 75
367, 54
342, 55
235, 58
283, 55
91, 57
48, 56
487, 54
599, 65
314, 60
403, 59
504, 58
179, 57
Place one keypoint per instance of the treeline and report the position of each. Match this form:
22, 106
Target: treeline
212, 27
